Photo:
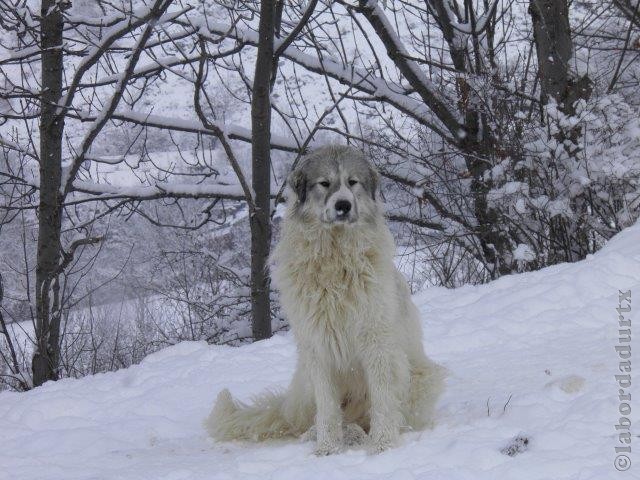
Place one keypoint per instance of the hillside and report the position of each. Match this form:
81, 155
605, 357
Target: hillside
530, 355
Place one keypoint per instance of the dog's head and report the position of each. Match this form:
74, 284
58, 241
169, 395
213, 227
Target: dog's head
334, 185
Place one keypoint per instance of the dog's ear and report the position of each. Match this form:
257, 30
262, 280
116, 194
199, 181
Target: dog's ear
374, 180
298, 182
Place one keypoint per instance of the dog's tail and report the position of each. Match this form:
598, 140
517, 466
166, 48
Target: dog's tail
260, 420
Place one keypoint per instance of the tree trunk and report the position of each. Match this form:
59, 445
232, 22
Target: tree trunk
491, 231
261, 176
46, 356
477, 146
552, 35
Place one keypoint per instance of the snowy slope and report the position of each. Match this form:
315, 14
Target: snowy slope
529, 354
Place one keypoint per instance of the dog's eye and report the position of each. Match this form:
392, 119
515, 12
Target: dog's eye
352, 182
324, 183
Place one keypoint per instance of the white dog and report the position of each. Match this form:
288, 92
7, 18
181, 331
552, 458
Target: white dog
361, 364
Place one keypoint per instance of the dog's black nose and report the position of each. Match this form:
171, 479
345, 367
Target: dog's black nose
343, 207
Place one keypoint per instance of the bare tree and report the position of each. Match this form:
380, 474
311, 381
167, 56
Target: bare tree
61, 186
261, 171
52, 259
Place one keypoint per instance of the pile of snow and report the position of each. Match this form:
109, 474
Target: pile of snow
530, 355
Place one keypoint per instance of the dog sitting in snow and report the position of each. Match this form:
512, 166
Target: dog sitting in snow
362, 375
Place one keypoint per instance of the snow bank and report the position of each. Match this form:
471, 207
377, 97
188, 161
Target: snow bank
530, 355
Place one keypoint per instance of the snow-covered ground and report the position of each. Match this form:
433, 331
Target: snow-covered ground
530, 355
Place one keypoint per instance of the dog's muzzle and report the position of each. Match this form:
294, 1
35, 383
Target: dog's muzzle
343, 209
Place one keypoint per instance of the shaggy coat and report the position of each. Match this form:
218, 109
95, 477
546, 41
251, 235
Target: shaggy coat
361, 363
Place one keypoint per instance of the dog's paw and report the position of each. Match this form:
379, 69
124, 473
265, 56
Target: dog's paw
378, 446
327, 448
381, 441
353, 435
310, 435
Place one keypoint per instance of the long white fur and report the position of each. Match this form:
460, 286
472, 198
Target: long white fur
360, 353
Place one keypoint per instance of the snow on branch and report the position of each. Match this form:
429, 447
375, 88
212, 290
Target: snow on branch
10, 145
166, 190
438, 205
483, 22
18, 56
359, 78
631, 12
284, 44
479, 25
233, 132
409, 69
155, 15
418, 222
164, 63
122, 17
111, 35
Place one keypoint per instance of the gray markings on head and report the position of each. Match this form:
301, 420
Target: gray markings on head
333, 183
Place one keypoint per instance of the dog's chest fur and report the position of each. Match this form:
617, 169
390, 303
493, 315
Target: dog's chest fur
329, 284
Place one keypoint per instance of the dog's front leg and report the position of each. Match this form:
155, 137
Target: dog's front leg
328, 412
386, 369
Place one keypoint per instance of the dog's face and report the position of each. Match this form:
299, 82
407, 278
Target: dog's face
334, 185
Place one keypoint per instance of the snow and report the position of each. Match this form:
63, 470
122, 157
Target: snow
194, 126
523, 252
353, 76
159, 190
530, 355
